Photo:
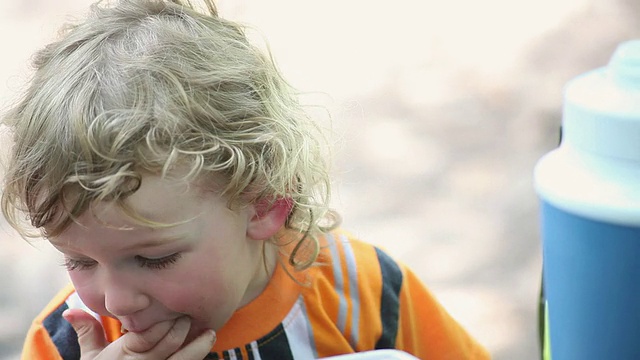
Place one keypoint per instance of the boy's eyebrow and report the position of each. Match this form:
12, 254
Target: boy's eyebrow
153, 242
149, 243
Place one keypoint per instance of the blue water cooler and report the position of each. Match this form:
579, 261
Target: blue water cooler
589, 189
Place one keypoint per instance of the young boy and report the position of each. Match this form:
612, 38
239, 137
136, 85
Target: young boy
171, 165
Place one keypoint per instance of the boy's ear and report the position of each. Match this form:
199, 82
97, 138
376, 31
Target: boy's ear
268, 218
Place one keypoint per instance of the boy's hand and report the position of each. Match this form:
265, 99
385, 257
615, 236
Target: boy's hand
161, 341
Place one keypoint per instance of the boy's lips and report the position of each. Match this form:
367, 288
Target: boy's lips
132, 326
128, 325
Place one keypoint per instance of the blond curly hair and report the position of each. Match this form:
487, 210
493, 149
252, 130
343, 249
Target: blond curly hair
149, 86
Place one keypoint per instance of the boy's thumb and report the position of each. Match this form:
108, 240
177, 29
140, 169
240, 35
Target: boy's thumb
90, 332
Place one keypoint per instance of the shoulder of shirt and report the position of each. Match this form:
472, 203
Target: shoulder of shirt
58, 300
351, 245
344, 257
50, 333
66, 298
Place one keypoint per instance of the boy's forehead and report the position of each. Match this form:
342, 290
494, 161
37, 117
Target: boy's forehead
112, 230
161, 210
158, 206
158, 199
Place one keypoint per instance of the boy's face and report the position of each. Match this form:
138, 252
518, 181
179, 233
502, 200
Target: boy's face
205, 267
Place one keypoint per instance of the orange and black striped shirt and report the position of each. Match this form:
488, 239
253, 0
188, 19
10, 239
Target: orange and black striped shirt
358, 299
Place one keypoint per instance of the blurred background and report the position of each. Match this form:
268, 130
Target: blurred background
439, 112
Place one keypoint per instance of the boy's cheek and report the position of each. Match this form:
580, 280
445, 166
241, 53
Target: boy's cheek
182, 301
88, 292
191, 301
82, 281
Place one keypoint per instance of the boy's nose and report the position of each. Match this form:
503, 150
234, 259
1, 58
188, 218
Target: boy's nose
122, 298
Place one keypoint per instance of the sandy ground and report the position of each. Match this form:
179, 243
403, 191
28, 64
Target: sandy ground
439, 115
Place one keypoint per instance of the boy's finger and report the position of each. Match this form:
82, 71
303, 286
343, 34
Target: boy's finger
90, 332
135, 343
198, 348
172, 340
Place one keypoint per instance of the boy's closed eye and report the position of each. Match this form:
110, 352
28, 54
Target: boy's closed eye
158, 263
78, 264
144, 262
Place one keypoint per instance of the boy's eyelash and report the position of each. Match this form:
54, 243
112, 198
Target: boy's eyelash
72, 264
160, 263
155, 264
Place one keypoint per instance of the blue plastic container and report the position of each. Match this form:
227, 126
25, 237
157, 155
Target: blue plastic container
590, 215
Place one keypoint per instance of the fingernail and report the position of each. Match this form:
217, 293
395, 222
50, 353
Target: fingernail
69, 318
213, 336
